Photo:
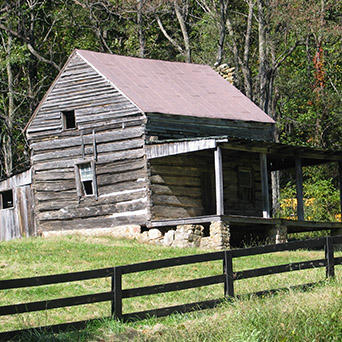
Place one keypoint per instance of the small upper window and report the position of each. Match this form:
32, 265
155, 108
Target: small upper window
245, 185
6, 199
69, 120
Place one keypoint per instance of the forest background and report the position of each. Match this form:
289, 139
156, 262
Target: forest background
287, 56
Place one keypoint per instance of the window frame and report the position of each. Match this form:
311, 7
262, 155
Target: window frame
249, 187
81, 193
64, 118
2, 199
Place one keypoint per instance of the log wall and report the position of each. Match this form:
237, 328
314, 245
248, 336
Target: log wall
179, 191
110, 131
176, 186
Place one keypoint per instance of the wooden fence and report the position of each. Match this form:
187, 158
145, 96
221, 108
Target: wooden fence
117, 293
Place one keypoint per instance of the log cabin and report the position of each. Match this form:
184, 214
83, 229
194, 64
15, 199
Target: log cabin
158, 150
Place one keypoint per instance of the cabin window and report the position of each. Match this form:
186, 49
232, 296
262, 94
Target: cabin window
6, 199
245, 185
86, 179
69, 120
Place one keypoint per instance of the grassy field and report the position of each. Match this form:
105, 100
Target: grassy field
288, 316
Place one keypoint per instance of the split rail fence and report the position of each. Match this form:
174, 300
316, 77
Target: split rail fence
117, 293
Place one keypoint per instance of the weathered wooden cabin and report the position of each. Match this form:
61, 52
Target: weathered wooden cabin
168, 149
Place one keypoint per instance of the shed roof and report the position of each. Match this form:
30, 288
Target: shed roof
175, 88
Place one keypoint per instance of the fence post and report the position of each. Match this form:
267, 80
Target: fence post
228, 271
329, 256
117, 293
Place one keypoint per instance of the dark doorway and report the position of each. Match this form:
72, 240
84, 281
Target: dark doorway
208, 193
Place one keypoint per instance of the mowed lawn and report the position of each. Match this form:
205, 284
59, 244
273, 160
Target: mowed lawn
38, 256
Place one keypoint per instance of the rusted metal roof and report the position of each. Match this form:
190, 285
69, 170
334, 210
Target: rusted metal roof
175, 88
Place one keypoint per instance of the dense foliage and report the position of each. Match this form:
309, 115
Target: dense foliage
286, 54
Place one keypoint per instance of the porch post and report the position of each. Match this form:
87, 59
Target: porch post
219, 181
299, 188
340, 183
264, 186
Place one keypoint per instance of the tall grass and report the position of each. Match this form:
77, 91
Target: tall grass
24, 258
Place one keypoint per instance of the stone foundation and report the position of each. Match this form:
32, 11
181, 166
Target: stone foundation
219, 236
188, 235
277, 234
128, 231
191, 235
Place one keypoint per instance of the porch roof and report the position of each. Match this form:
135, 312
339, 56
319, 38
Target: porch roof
280, 156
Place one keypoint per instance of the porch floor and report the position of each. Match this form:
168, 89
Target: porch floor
249, 223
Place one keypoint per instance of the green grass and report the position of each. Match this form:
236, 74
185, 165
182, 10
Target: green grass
274, 318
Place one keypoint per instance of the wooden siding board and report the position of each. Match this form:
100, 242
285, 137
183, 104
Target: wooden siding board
9, 227
25, 210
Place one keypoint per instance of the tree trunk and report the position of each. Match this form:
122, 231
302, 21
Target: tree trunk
140, 23
223, 17
263, 98
186, 39
7, 138
246, 70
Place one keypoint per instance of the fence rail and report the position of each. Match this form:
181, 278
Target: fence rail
117, 294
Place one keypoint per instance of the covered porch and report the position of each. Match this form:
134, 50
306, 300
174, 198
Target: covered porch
250, 213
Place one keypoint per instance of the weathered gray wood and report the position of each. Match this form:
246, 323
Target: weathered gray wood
185, 180
169, 169
182, 201
25, 208
53, 175
54, 186
219, 182
176, 126
108, 190
109, 134
18, 221
92, 211
159, 189
114, 198
264, 186
94, 222
167, 212
113, 135
120, 166
88, 150
299, 189
175, 148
